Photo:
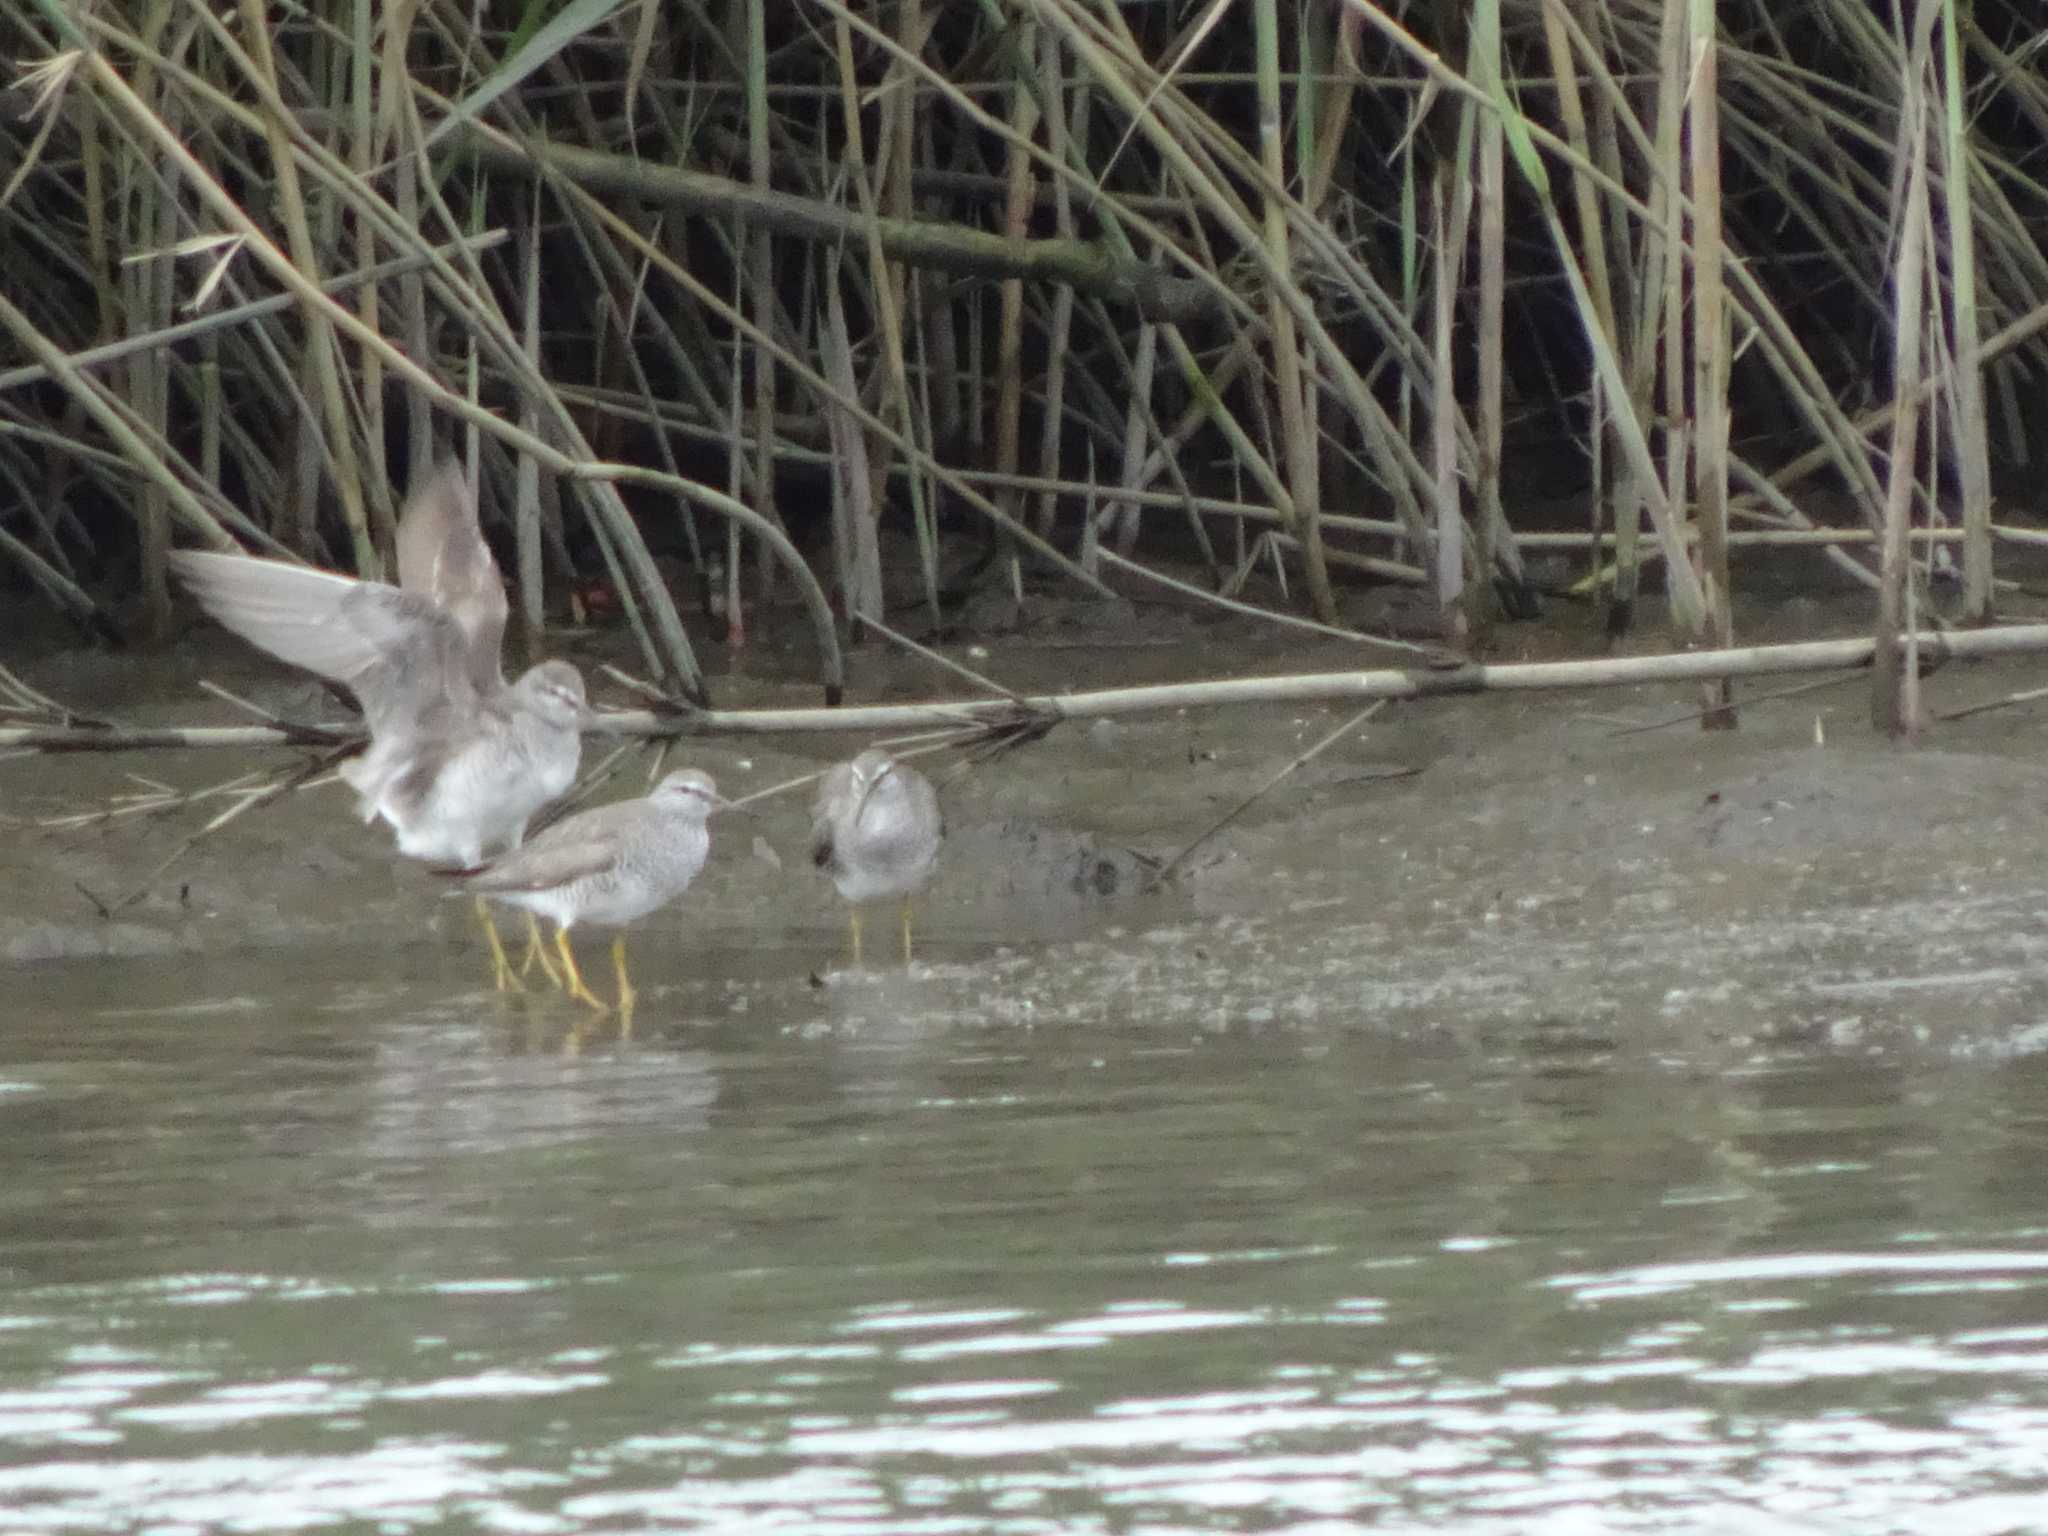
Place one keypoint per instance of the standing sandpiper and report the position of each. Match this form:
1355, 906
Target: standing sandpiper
876, 827
608, 866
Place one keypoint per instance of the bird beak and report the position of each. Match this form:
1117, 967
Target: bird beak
868, 790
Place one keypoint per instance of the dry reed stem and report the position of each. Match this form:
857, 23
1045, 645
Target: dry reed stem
1807, 141
1297, 688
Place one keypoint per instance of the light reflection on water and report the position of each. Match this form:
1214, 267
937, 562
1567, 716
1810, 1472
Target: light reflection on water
278, 1252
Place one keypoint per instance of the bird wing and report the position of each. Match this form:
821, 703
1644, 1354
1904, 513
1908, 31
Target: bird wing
584, 845
927, 799
835, 797
442, 555
395, 651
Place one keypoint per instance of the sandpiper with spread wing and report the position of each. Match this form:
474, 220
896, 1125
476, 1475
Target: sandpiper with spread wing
459, 760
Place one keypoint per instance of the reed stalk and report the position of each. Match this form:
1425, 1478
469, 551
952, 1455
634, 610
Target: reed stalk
1894, 698
1446, 188
1298, 447
1059, 332
1187, 246
1966, 379
1019, 197
340, 449
1490, 518
1710, 347
526, 493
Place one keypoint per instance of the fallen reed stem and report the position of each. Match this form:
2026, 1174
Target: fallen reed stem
1293, 688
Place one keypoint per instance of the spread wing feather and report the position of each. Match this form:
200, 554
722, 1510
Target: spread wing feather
394, 650
442, 556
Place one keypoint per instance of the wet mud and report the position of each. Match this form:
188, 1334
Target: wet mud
1466, 863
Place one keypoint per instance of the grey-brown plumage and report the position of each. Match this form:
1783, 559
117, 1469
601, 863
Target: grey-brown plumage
876, 829
608, 866
458, 760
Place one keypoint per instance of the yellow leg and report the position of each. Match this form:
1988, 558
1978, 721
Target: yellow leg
577, 989
853, 923
906, 933
626, 992
501, 968
537, 954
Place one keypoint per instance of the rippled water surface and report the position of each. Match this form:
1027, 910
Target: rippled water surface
292, 1243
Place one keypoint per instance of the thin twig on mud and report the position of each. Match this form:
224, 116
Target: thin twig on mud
945, 663
300, 730
2010, 701
915, 744
657, 698
1693, 715
1435, 655
301, 777
1165, 871
153, 799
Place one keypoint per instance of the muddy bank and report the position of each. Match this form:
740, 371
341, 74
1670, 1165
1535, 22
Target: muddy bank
1530, 854
88, 867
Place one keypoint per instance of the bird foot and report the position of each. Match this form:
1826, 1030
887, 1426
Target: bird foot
588, 998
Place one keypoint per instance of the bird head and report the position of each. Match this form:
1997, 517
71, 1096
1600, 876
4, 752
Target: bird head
688, 792
554, 691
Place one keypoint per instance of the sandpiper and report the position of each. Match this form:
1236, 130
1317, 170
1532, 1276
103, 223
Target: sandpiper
876, 827
608, 866
458, 760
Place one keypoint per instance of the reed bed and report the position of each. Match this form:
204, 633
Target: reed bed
835, 316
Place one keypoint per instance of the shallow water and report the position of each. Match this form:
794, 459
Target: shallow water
295, 1242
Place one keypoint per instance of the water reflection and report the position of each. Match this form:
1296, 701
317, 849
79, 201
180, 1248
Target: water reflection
289, 1250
